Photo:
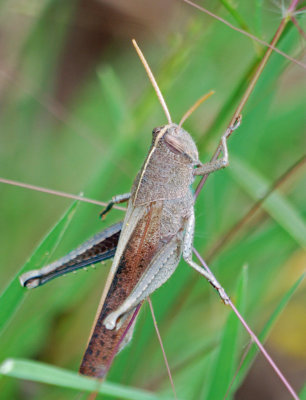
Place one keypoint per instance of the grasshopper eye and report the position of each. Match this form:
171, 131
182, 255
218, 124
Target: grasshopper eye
174, 145
155, 131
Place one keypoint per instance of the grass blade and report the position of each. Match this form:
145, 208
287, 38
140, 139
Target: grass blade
226, 358
235, 14
13, 294
40, 372
258, 17
276, 205
302, 393
264, 333
116, 101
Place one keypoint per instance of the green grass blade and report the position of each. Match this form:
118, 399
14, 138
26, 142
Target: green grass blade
258, 17
226, 358
39, 372
116, 101
235, 14
13, 294
264, 333
276, 205
302, 394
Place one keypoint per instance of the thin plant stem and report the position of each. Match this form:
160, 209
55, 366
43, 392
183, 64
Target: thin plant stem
245, 353
59, 112
162, 347
258, 72
293, 6
180, 365
227, 236
254, 337
57, 193
265, 353
249, 89
271, 46
235, 14
301, 32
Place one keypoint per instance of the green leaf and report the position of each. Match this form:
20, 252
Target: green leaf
13, 294
264, 333
258, 17
226, 357
39, 372
116, 101
279, 208
232, 9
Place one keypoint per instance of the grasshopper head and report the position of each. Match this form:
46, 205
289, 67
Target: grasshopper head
176, 141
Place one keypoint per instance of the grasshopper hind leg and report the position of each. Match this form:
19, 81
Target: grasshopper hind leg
187, 255
158, 272
99, 248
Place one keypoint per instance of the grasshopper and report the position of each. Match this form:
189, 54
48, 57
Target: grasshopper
147, 246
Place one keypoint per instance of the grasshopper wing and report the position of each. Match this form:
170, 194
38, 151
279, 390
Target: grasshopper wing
139, 251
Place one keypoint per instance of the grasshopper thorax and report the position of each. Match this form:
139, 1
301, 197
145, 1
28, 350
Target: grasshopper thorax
167, 172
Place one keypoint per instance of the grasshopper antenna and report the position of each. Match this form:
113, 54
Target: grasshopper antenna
195, 106
153, 81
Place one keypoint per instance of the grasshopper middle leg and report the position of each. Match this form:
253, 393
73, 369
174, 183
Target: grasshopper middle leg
118, 199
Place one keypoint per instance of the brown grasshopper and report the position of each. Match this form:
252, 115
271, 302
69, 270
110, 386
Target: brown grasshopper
157, 230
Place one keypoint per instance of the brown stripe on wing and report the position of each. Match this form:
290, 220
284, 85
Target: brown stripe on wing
141, 248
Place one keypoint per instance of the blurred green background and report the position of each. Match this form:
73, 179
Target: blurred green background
77, 111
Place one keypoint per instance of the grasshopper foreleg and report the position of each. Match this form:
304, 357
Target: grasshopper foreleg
187, 255
120, 198
217, 164
223, 161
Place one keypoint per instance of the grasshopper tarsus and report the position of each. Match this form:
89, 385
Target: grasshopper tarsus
106, 210
118, 199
